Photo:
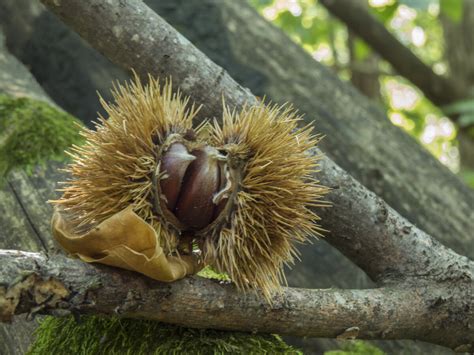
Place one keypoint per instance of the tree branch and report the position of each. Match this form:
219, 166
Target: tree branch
439, 89
33, 283
383, 243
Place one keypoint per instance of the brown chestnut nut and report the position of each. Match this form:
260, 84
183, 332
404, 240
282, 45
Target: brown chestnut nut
190, 181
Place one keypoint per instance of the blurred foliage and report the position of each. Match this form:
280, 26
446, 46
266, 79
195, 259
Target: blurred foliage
468, 176
416, 23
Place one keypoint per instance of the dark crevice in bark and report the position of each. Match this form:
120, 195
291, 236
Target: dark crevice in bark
36, 232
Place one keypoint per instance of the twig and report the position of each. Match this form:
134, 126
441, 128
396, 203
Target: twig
439, 89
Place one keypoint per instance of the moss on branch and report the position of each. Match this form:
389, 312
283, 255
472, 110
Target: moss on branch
95, 335
33, 132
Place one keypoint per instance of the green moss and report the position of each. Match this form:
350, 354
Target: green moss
95, 335
356, 347
33, 132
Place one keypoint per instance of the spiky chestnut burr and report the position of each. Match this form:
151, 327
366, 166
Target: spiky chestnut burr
242, 191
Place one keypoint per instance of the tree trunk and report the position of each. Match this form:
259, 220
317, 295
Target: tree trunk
359, 137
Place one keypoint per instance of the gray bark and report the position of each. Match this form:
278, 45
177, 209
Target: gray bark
459, 54
441, 90
159, 51
68, 69
55, 285
358, 136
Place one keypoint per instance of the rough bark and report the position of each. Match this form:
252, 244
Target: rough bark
367, 82
66, 67
369, 209
459, 44
439, 89
15, 79
55, 285
206, 82
157, 49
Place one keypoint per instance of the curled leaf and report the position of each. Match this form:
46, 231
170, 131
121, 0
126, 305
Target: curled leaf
126, 241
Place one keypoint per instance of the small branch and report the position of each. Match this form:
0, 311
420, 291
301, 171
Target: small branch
439, 89
33, 283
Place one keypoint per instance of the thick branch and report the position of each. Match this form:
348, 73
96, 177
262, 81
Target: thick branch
132, 35
439, 89
383, 243
31, 282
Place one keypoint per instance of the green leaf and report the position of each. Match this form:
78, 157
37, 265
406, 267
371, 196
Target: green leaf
356, 347
418, 4
452, 9
361, 49
468, 177
288, 22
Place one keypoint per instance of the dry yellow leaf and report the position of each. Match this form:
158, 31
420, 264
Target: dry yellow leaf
126, 241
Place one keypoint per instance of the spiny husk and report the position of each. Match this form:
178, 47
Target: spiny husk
272, 210
275, 200
114, 168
